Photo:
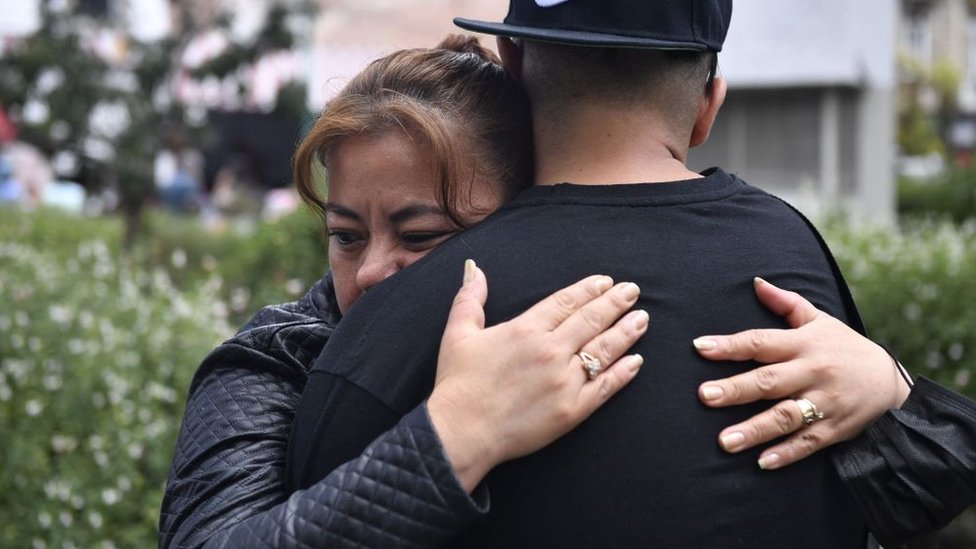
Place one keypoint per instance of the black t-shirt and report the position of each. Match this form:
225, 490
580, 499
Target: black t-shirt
645, 470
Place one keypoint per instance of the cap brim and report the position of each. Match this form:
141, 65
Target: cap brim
572, 37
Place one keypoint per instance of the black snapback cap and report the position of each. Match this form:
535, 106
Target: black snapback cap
697, 25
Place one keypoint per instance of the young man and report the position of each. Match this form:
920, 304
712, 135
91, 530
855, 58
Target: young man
620, 90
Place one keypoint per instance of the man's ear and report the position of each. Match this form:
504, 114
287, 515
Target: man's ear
511, 54
707, 111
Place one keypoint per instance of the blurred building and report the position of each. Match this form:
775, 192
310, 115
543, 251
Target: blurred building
810, 113
940, 36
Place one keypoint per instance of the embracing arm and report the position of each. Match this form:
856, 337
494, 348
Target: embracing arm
227, 485
910, 464
410, 486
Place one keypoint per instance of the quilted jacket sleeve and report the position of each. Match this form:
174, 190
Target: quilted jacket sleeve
227, 485
914, 470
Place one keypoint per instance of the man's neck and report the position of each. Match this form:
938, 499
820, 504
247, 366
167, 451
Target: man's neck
602, 148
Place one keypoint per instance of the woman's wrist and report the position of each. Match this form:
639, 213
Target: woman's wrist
470, 455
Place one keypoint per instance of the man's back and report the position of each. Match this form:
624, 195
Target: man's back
645, 470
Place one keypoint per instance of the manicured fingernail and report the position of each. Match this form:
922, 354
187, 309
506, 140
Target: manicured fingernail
468, 270
705, 344
712, 392
758, 281
634, 362
640, 320
768, 461
732, 441
604, 283
629, 290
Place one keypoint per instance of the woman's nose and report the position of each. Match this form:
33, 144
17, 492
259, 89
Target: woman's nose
377, 265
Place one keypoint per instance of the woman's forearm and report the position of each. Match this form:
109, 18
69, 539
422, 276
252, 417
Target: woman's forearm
400, 492
914, 470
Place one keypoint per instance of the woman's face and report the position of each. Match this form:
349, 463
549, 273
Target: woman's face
382, 212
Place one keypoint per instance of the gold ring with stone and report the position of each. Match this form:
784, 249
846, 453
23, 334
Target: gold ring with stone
591, 364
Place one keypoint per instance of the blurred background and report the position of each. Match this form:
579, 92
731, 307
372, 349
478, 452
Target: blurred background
146, 206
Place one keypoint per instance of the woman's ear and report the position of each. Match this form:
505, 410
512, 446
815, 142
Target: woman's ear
511, 55
707, 111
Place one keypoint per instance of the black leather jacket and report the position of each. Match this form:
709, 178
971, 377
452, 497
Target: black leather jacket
911, 472
227, 485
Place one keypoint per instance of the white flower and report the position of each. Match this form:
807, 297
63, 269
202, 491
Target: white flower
33, 407
60, 314
109, 119
962, 379
62, 444
178, 258
294, 286
135, 451
44, 519
76, 346
52, 382
111, 496
95, 519
956, 350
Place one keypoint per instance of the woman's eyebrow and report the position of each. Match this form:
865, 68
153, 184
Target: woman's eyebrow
415, 210
342, 211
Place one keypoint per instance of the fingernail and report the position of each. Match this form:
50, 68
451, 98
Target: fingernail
604, 283
712, 392
705, 344
629, 290
732, 441
634, 362
758, 281
468, 270
641, 319
768, 461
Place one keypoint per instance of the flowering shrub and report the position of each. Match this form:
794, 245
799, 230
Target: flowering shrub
915, 288
97, 348
95, 359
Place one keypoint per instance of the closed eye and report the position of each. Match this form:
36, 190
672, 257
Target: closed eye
424, 240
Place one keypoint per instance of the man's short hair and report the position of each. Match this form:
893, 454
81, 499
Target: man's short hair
558, 76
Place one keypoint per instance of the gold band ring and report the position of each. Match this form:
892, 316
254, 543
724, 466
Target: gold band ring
809, 411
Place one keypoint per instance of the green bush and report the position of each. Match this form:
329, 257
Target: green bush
95, 359
951, 194
914, 288
271, 263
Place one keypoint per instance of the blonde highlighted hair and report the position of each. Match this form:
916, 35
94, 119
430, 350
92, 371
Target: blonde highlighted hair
455, 99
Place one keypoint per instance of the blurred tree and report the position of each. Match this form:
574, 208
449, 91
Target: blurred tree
99, 114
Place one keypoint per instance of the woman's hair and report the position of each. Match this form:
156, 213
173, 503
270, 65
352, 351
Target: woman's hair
455, 99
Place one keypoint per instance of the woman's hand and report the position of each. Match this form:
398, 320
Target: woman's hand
849, 378
507, 391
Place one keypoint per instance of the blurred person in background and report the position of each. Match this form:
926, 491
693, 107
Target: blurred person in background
178, 174
10, 188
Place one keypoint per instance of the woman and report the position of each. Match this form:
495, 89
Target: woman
405, 174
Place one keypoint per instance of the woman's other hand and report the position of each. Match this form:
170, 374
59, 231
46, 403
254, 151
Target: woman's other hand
850, 379
507, 391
